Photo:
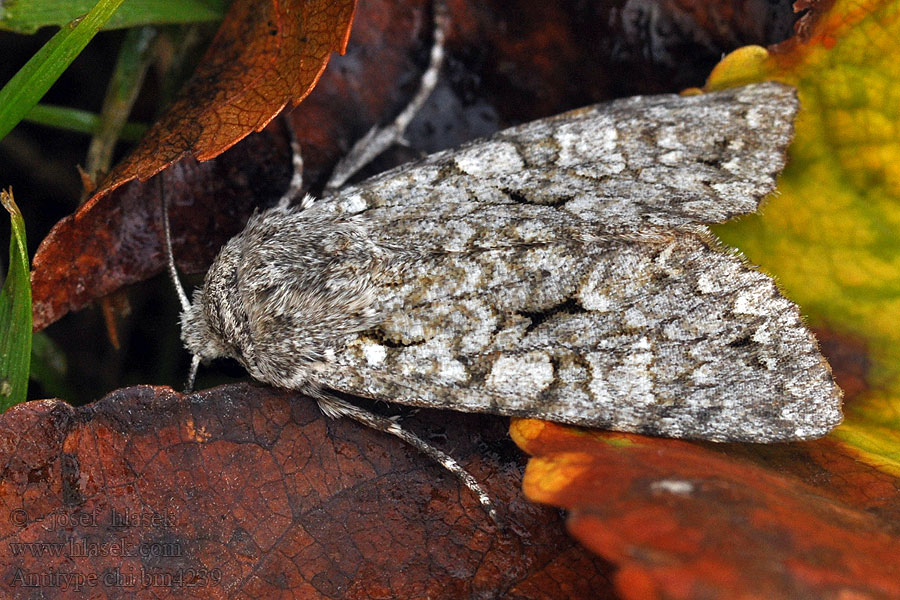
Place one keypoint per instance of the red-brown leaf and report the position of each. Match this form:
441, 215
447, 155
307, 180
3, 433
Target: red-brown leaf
260, 492
264, 55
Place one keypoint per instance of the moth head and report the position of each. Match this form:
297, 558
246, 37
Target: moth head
197, 335
213, 324
193, 326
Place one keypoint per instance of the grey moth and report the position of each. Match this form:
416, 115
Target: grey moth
561, 270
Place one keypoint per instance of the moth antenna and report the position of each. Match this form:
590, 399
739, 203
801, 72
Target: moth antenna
170, 256
334, 408
173, 274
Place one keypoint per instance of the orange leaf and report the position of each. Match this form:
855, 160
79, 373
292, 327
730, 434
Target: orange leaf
685, 520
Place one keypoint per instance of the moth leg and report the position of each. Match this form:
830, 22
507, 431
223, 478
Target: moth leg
378, 139
335, 407
297, 162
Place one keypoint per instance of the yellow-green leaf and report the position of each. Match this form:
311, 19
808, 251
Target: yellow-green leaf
831, 234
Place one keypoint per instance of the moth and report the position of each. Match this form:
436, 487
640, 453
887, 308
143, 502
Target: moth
560, 270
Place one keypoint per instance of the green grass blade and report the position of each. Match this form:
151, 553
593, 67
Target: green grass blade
15, 313
135, 56
34, 79
83, 121
27, 16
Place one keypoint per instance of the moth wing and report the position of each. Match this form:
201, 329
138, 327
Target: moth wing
557, 270
669, 337
661, 161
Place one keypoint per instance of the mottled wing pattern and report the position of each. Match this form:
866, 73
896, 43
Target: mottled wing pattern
661, 161
560, 270
672, 338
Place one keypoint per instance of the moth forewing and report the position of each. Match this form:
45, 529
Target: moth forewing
559, 270
673, 338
